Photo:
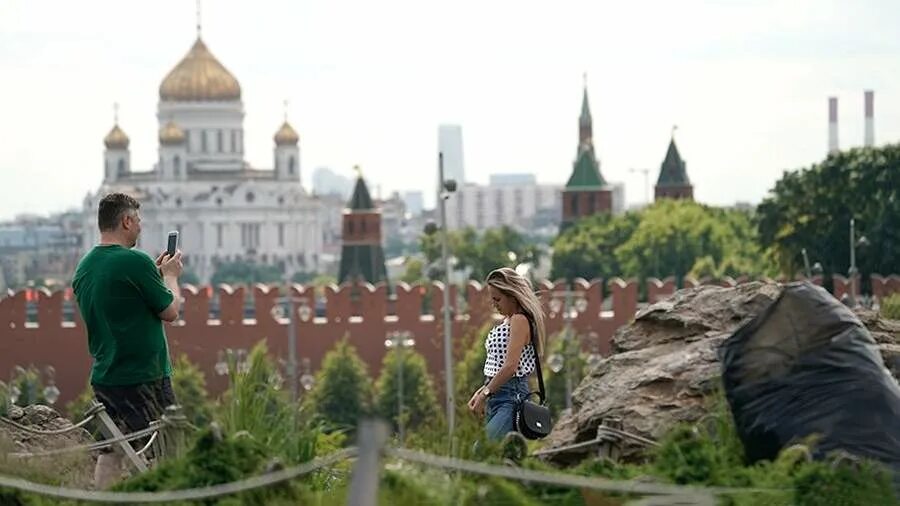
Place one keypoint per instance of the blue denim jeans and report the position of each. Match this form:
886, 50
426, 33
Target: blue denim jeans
500, 412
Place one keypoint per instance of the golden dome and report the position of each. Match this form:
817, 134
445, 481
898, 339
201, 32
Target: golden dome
286, 135
116, 138
199, 76
171, 134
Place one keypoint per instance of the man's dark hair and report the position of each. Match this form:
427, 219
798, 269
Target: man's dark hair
111, 209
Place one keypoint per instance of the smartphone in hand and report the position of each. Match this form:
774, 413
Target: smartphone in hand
172, 246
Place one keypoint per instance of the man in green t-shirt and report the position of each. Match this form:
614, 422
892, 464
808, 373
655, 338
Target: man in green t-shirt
124, 297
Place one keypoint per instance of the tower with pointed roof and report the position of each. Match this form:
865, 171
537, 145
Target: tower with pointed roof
362, 256
287, 151
586, 193
117, 157
673, 181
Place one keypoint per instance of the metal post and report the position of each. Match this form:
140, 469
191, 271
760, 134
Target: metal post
174, 433
448, 350
111, 431
852, 262
568, 346
292, 347
400, 358
371, 439
806, 264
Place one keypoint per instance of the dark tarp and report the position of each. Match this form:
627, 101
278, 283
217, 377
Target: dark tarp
807, 365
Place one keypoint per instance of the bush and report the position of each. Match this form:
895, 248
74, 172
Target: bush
189, 386
890, 307
420, 405
342, 393
255, 403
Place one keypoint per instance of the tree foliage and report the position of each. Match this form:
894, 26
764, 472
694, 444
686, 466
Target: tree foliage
342, 393
669, 238
480, 253
811, 208
245, 273
419, 401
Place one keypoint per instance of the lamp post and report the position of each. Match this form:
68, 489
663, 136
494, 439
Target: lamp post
646, 173
854, 243
304, 312
399, 341
445, 188
562, 301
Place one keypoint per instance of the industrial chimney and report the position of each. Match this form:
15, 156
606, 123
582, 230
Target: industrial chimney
870, 119
832, 125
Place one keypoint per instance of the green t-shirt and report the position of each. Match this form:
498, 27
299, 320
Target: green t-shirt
120, 294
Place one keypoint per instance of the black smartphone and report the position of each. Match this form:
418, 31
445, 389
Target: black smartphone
173, 243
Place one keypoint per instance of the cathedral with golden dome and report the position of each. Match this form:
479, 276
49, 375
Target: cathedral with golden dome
225, 209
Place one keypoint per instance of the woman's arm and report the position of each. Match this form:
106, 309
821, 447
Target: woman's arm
519, 336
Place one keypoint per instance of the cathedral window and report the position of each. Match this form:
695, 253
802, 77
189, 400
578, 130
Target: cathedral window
203, 147
233, 141
121, 166
291, 164
219, 146
176, 164
187, 140
219, 227
281, 234
250, 197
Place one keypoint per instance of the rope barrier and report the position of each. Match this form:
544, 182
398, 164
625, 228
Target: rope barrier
56, 432
604, 434
99, 445
149, 443
192, 494
569, 480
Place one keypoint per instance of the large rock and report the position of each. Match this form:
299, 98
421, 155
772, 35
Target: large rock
42, 418
665, 362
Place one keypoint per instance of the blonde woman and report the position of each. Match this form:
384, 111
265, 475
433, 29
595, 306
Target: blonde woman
511, 354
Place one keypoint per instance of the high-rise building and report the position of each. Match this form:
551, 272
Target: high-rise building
450, 144
415, 202
508, 202
512, 179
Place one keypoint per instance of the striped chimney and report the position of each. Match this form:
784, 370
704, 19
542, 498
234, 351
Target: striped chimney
870, 119
832, 125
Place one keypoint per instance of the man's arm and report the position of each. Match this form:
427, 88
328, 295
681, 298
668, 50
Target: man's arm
170, 268
170, 314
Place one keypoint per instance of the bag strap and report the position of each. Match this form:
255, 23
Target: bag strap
537, 360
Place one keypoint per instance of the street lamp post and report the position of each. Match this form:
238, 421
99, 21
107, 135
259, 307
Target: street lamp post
854, 243
399, 340
445, 188
569, 313
646, 173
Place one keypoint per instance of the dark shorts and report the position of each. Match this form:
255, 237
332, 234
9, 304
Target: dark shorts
133, 407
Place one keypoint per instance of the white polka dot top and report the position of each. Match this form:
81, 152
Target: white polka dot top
496, 344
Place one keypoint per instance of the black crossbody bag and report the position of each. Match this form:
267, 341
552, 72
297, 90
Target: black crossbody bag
533, 420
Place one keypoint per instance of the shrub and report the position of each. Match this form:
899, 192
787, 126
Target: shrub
890, 307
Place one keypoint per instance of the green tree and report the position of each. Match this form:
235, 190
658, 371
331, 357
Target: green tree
587, 249
419, 402
342, 393
415, 271
189, 277
189, 386
245, 273
811, 208
673, 235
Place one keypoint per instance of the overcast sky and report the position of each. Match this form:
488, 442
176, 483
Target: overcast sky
368, 83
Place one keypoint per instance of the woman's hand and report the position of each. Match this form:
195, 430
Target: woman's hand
476, 404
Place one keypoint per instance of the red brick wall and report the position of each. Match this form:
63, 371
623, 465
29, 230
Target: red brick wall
364, 313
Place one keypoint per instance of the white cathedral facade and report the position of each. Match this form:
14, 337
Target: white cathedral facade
201, 185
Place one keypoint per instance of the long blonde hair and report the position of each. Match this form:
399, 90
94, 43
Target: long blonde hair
509, 282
